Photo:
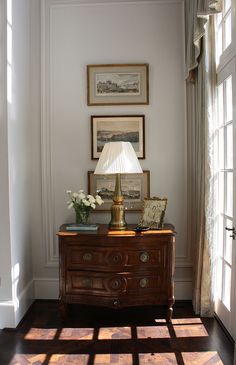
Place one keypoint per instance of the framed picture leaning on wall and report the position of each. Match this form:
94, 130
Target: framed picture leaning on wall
135, 187
117, 84
153, 212
123, 128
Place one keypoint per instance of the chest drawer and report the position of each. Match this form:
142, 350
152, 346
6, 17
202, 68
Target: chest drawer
94, 258
106, 284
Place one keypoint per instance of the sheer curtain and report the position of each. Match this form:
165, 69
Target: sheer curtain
200, 79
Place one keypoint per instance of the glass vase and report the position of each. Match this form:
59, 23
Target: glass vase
82, 215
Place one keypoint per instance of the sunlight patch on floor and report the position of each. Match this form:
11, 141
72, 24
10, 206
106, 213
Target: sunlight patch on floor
76, 334
41, 334
195, 330
201, 358
153, 332
114, 333
158, 359
113, 359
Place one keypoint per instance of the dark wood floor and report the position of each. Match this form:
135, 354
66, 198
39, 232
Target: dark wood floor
127, 337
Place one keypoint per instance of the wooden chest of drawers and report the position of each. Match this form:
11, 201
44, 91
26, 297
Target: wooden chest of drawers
116, 269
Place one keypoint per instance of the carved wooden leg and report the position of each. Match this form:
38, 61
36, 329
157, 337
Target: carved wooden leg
169, 314
63, 312
170, 309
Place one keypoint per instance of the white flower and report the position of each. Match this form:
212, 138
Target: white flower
81, 196
86, 202
78, 200
99, 200
91, 199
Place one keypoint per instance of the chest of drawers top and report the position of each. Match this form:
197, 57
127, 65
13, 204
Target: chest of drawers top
104, 232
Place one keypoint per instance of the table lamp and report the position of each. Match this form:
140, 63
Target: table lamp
118, 158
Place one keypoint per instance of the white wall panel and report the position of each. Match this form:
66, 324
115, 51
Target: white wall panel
75, 35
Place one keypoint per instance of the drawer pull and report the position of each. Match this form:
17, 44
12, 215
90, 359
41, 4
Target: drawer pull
87, 256
144, 257
143, 282
87, 282
115, 258
116, 303
115, 284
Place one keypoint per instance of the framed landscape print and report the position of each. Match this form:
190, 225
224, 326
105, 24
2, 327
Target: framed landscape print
123, 128
121, 84
135, 187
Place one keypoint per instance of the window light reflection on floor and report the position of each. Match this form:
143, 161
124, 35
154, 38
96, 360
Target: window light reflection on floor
153, 332
114, 333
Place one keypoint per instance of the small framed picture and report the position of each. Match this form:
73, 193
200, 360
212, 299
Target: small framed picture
117, 84
153, 212
125, 128
135, 187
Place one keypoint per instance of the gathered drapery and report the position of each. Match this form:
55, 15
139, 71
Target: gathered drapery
201, 83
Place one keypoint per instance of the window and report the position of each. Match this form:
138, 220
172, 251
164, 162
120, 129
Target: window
223, 29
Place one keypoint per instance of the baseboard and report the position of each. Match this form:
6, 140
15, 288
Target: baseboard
12, 312
48, 288
183, 289
7, 314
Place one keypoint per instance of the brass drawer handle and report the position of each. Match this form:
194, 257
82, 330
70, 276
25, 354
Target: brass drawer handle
116, 302
144, 256
87, 256
143, 282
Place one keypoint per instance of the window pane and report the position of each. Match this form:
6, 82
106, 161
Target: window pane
227, 286
227, 5
218, 19
221, 236
229, 198
220, 103
221, 192
229, 99
219, 278
227, 30
221, 148
228, 242
229, 146
219, 42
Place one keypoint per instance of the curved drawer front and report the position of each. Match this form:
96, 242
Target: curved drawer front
109, 259
94, 283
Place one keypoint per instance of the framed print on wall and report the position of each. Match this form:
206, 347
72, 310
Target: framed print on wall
120, 84
135, 187
123, 128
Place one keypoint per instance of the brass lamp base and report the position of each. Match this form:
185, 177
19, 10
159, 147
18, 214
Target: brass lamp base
118, 222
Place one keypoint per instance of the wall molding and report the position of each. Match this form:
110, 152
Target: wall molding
46, 140
49, 227
65, 3
12, 311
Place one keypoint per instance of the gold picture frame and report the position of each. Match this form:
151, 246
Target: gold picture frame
114, 128
118, 84
135, 188
153, 212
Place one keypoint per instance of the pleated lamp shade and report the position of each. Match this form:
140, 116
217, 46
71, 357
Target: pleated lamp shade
118, 158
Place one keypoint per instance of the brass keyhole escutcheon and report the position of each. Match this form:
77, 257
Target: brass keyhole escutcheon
87, 256
144, 256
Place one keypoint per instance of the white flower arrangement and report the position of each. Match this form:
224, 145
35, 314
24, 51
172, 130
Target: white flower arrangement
83, 204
